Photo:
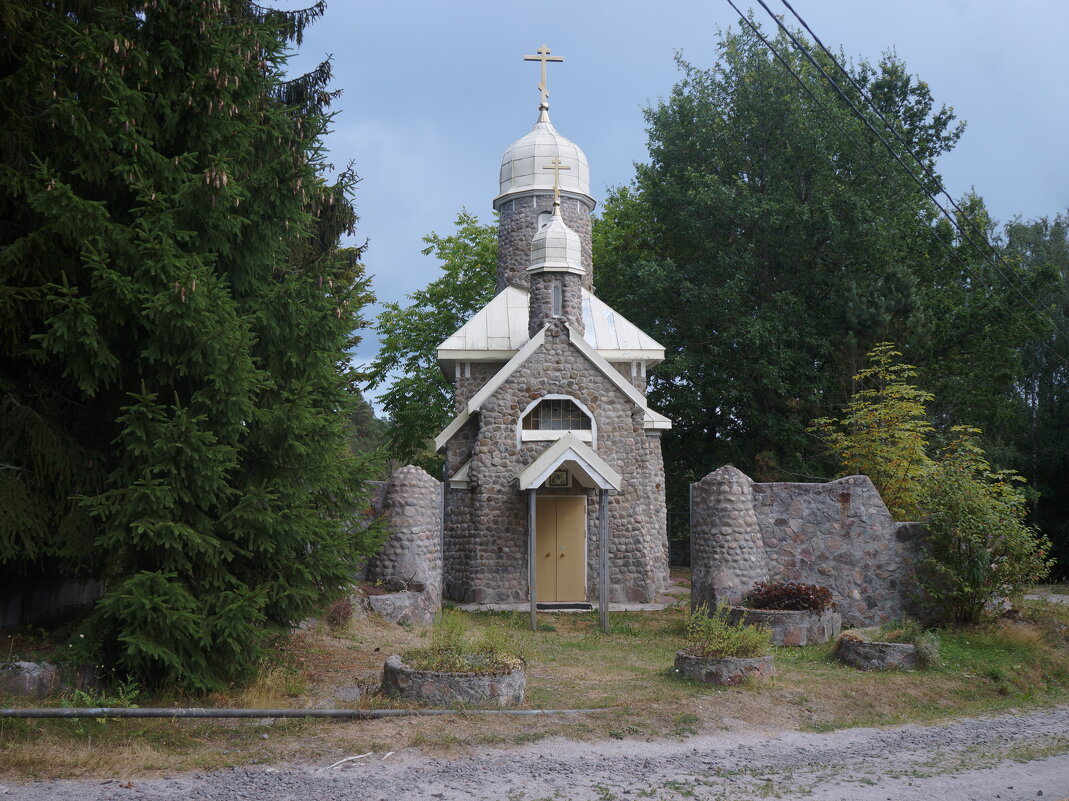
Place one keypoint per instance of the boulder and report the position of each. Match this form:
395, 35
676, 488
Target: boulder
29, 679
869, 655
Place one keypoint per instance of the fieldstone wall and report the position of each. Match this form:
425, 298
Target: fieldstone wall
838, 535
486, 525
517, 225
412, 505
540, 303
727, 556
459, 541
473, 377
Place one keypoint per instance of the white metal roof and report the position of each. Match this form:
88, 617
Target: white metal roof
524, 162
499, 330
556, 247
615, 337
651, 421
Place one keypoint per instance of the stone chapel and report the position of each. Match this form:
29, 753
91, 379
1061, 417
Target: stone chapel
553, 448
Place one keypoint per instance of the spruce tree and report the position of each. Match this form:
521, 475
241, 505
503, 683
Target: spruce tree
176, 314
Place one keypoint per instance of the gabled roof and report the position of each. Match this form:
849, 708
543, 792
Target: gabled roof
651, 419
578, 458
614, 336
502, 375
499, 329
459, 479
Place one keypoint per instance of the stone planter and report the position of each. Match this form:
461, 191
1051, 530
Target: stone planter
867, 655
728, 670
789, 627
450, 689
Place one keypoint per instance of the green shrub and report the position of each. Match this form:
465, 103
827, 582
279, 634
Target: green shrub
884, 431
980, 549
453, 648
710, 636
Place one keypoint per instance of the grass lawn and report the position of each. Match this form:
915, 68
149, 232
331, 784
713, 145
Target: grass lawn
1051, 589
627, 674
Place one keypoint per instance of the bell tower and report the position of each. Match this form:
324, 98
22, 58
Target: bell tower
527, 189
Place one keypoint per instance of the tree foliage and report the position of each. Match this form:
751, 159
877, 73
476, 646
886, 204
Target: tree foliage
884, 431
418, 398
176, 312
1041, 249
770, 242
980, 547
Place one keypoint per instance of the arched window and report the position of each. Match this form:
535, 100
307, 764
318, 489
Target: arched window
552, 416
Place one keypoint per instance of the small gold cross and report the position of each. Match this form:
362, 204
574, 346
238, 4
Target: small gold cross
543, 56
556, 165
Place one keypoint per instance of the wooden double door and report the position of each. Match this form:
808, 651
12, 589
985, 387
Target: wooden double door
560, 549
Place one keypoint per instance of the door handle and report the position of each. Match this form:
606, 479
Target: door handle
562, 554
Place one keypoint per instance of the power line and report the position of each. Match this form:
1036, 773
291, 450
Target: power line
851, 141
868, 123
935, 179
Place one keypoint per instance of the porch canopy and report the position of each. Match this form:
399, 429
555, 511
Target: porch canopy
590, 471
578, 458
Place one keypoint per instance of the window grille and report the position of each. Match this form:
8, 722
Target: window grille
556, 415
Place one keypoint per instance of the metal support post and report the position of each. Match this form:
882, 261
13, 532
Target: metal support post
603, 553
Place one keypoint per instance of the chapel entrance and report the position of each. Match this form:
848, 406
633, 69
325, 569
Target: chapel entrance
560, 548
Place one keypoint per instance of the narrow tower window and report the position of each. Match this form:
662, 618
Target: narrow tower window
557, 298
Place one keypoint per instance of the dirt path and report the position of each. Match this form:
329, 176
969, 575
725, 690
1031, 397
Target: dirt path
1010, 757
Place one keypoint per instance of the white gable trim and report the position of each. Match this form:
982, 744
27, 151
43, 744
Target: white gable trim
578, 458
459, 479
451, 429
651, 418
503, 375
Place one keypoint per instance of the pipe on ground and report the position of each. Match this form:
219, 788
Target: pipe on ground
194, 712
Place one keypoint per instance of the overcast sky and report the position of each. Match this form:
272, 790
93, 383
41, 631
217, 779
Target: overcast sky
433, 92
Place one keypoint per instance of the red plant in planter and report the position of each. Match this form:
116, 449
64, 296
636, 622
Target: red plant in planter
789, 597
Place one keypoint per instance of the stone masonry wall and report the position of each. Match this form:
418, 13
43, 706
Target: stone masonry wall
495, 566
727, 555
517, 225
413, 508
473, 377
459, 544
838, 535
540, 303
841, 536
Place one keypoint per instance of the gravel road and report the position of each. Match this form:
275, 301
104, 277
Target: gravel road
1010, 757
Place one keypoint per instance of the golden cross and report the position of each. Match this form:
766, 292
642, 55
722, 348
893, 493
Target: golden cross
543, 56
556, 165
